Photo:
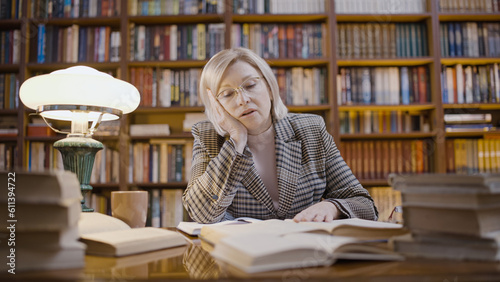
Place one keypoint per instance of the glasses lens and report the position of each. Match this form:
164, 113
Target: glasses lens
250, 84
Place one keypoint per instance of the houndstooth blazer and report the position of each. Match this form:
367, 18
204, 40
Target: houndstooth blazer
225, 184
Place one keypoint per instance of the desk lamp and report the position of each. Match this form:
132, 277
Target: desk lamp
85, 97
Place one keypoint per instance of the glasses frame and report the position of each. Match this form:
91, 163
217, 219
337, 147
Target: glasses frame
239, 88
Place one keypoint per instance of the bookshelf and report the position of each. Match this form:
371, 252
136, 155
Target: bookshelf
220, 22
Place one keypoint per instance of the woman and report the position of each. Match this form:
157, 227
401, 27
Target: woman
253, 159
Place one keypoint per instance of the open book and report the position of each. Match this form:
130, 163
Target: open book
352, 227
194, 228
260, 252
108, 236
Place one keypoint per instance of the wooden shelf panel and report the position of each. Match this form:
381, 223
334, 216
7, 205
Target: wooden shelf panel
281, 18
469, 61
106, 186
174, 109
410, 135
413, 107
9, 68
168, 185
473, 106
177, 19
169, 64
382, 18
384, 62
478, 134
8, 112
446, 17
373, 182
94, 21
10, 24
34, 67
7, 138
308, 108
185, 135
297, 62
44, 138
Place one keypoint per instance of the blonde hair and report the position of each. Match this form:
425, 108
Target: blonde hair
214, 70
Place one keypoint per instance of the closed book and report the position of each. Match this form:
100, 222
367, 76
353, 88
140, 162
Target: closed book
440, 246
149, 129
108, 236
42, 187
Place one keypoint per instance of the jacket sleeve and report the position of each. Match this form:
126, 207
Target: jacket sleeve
211, 187
342, 187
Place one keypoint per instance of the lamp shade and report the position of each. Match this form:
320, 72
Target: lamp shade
79, 86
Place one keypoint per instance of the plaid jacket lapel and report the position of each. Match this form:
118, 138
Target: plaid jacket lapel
289, 163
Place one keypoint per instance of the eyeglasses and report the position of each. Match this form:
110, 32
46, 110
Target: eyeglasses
250, 86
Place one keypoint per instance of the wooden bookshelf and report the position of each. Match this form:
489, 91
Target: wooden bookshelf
331, 61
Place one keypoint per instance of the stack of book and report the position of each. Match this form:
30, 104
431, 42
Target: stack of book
41, 228
450, 216
468, 122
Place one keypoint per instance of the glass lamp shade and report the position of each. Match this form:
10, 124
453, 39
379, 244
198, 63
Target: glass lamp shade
53, 95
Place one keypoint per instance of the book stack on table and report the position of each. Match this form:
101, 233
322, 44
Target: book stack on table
41, 226
450, 216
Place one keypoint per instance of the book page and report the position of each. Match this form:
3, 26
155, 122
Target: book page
194, 228
93, 222
359, 228
257, 252
212, 234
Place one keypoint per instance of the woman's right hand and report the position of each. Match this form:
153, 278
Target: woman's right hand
236, 130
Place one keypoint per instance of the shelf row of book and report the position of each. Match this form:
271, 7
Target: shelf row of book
47, 9
175, 42
465, 84
8, 153
160, 161
380, 6
375, 159
469, 122
468, 6
382, 40
10, 9
75, 44
387, 200
467, 156
175, 7
383, 85
302, 86
278, 41
42, 156
165, 206
259, 7
169, 87
368, 122
470, 39
9, 90
166, 87
9, 46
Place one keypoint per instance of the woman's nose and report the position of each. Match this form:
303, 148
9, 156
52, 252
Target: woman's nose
243, 97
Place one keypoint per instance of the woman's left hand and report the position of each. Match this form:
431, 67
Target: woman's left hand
320, 212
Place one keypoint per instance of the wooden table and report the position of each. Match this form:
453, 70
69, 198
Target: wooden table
193, 261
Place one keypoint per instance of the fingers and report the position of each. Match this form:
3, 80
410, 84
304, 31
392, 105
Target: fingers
320, 212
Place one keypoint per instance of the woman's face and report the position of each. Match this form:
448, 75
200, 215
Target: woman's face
244, 94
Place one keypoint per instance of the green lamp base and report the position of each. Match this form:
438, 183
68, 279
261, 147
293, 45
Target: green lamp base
78, 154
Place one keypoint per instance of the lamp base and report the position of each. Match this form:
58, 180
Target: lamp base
78, 154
